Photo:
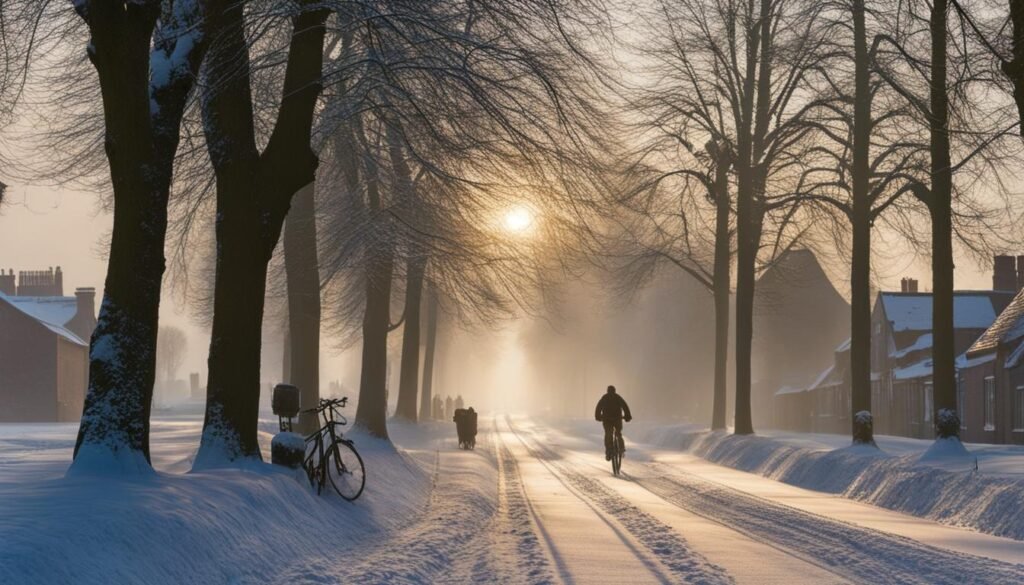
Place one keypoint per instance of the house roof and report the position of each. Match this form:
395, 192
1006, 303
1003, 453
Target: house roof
1006, 328
921, 343
971, 309
51, 312
921, 369
1013, 360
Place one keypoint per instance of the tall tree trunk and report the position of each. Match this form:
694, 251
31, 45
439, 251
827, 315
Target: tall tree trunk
409, 384
303, 277
140, 145
371, 414
943, 357
1014, 68
860, 269
429, 355
720, 283
254, 192
749, 237
747, 231
372, 411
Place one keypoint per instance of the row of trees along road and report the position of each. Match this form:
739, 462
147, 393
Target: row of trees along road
756, 126
767, 121
434, 117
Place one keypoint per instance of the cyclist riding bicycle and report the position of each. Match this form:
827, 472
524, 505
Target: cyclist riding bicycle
610, 411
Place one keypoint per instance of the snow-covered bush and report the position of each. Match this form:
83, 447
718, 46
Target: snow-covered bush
863, 428
947, 423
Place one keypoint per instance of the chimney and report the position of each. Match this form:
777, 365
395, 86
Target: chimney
7, 283
908, 285
84, 321
1004, 273
58, 283
86, 302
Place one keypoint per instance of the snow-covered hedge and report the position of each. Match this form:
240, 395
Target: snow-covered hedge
990, 503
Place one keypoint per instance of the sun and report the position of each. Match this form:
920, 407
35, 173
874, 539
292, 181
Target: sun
518, 219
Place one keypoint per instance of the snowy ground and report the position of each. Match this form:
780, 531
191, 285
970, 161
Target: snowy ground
982, 489
534, 503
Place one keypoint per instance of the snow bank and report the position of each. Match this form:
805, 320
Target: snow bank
945, 489
238, 526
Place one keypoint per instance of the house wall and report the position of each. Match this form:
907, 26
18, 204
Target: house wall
1012, 379
72, 379
972, 420
28, 373
791, 411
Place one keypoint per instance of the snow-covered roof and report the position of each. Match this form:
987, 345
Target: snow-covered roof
921, 343
844, 345
963, 362
1006, 328
921, 369
51, 312
829, 375
789, 390
913, 311
1012, 360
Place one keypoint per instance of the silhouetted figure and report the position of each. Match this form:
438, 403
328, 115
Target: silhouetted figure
465, 425
459, 403
610, 410
438, 413
449, 407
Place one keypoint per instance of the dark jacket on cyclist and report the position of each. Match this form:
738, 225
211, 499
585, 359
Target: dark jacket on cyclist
612, 407
609, 411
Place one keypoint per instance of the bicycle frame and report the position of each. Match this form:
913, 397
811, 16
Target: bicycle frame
327, 430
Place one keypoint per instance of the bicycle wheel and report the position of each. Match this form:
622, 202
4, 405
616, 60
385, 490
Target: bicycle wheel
311, 463
620, 449
346, 470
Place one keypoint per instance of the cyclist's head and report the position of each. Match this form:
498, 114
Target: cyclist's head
611, 389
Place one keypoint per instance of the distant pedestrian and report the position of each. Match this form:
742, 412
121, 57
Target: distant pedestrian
438, 409
449, 407
458, 402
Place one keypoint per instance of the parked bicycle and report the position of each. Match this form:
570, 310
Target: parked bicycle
618, 452
332, 458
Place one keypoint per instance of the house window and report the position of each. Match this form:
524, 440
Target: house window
1018, 409
990, 403
961, 402
929, 404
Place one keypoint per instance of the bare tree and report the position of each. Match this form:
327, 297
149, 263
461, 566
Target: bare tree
740, 72
146, 55
682, 218
171, 344
254, 192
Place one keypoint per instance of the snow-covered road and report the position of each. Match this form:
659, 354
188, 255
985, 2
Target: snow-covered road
535, 503
667, 521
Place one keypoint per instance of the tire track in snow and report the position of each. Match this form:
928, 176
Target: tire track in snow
857, 553
664, 544
465, 535
515, 525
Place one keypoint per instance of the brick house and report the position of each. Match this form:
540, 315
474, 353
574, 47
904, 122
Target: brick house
44, 347
901, 364
990, 392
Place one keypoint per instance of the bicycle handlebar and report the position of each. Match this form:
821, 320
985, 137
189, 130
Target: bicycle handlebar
326, 403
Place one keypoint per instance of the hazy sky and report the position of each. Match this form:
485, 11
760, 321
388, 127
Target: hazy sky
43, 227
